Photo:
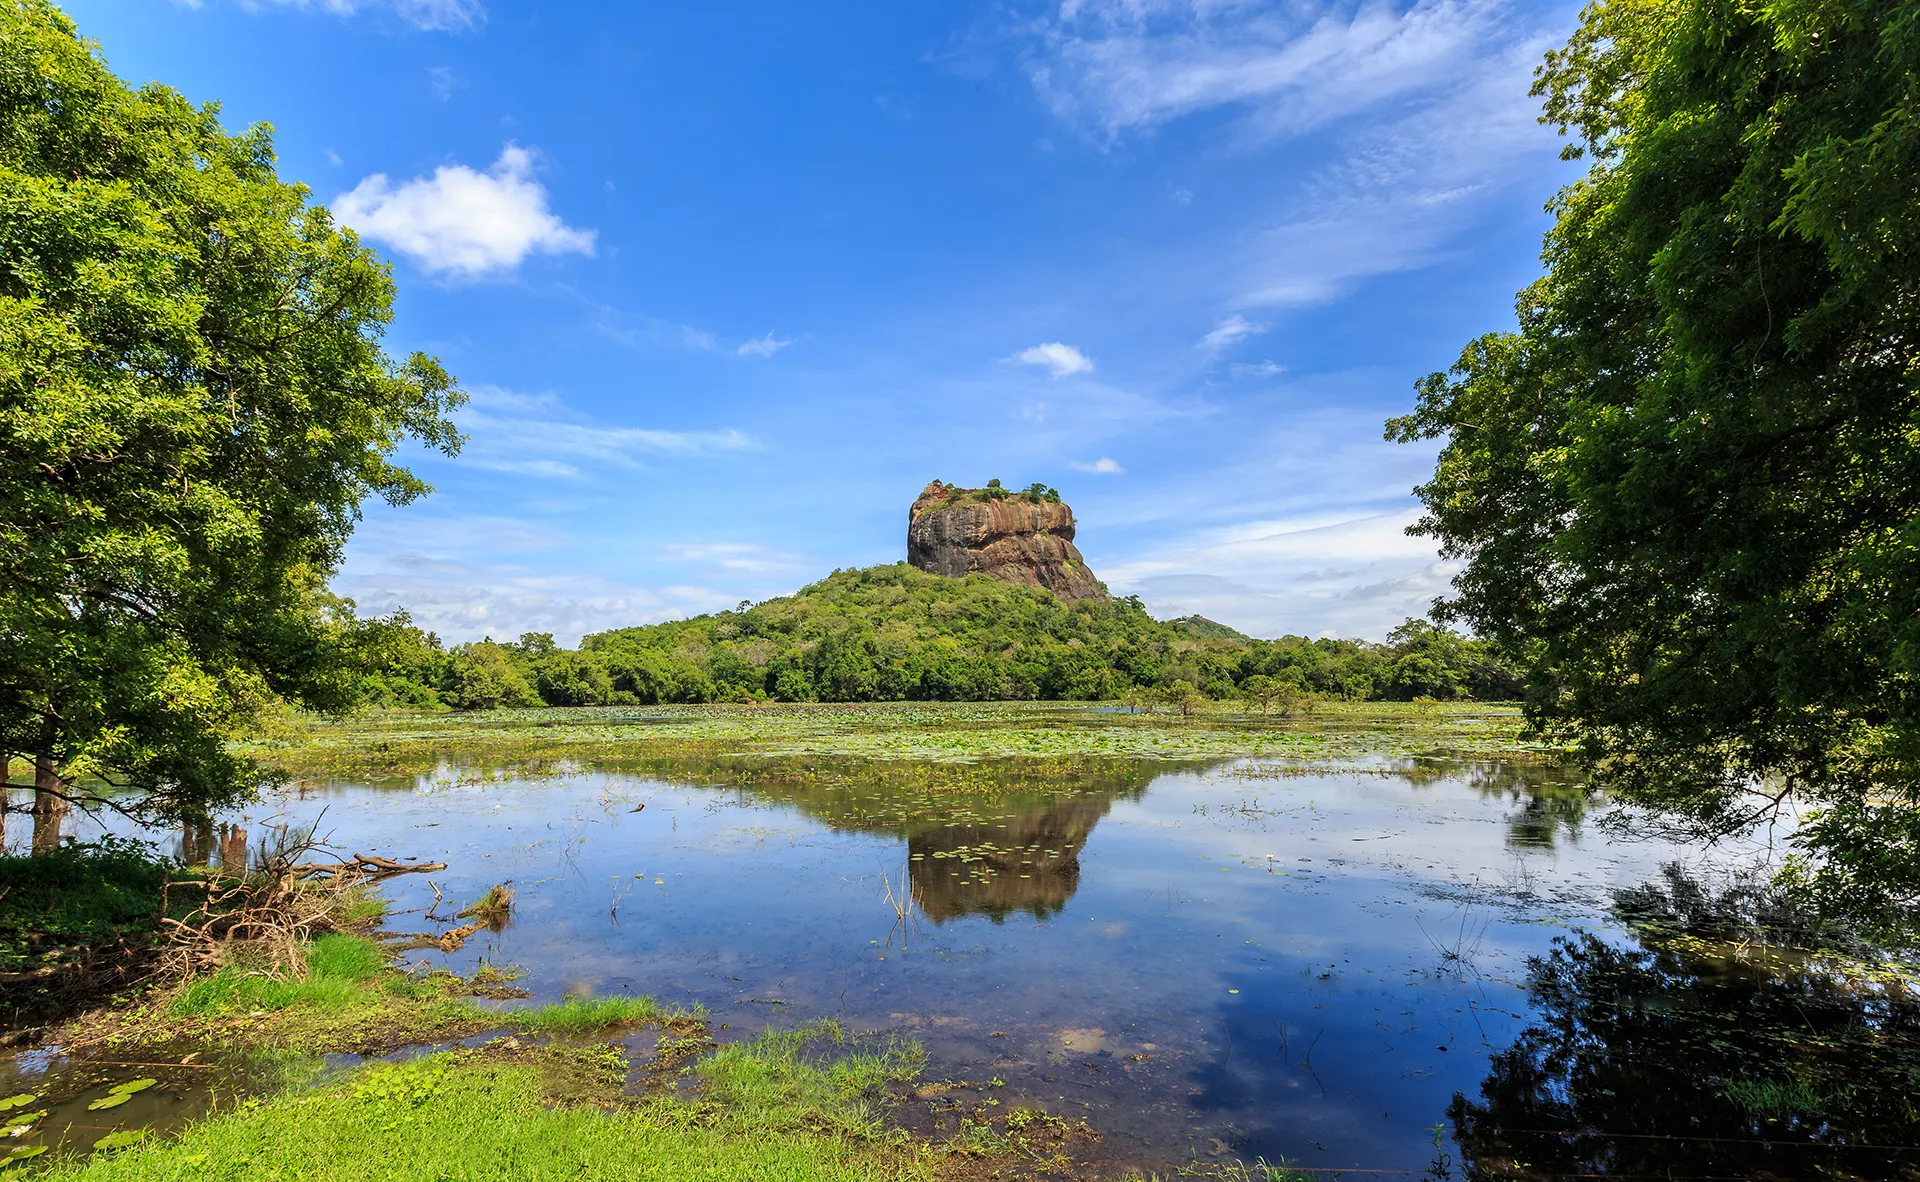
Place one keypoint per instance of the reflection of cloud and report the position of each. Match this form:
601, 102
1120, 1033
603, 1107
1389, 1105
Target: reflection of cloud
1060, 360
461, 223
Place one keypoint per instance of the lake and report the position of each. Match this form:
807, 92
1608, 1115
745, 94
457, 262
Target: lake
1403, 966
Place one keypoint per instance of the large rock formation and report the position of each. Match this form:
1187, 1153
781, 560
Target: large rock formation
1018, 537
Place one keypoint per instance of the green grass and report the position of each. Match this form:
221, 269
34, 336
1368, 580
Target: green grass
465, 1116
1777, 1099
806, 1077
925, 739
584, 1015
338, 969
79, 896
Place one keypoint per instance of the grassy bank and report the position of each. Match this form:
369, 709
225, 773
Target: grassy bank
543, 1113
943, 735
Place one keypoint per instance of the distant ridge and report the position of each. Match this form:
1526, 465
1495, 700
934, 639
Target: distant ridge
1212, 629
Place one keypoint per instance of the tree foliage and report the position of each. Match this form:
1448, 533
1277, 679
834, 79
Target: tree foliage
194, 402
1685, 490
892, 633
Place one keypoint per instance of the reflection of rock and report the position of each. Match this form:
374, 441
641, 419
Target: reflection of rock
1029, 862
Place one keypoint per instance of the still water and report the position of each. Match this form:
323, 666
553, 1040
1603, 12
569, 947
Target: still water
1407, 968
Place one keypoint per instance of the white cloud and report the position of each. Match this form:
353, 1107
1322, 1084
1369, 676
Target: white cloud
1233, 328
1257, 369
536, 435
449, 16
1060, 360
466, 577
749, 558
765, 346
1124, 65
1104, 466
461, 223
1423, 103
1330, 574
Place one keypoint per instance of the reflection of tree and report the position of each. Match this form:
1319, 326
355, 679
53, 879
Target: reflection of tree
983, 838
1029, 861
1692, 1056
1552, 799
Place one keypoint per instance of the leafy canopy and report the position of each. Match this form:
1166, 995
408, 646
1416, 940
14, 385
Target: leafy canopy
892, 633
194, 402
1687, 489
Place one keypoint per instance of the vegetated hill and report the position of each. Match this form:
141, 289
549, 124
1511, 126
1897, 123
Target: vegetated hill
889, 633
1202, 626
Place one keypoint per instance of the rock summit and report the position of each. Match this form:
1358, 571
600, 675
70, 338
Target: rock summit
1022, 537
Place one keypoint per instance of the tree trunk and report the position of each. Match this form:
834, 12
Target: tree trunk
49, 809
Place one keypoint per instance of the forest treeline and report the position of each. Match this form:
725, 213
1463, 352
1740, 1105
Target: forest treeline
895, 633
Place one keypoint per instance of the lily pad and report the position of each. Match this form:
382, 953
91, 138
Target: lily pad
21, 1123
19, 1101
22, 1154
133, 1085
122, 1139
110, 1100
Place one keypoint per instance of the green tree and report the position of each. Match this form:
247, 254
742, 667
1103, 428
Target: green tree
194, 402
483, 676
1686, 490
565, 678
400, 664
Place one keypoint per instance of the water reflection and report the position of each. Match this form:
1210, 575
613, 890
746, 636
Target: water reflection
1550, 801
1026, 862
1247, 958
1018, 849
1704, 1051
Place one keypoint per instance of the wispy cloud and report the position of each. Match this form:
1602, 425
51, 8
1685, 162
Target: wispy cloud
1124, 65
765, 346
1104, 466
463, 224
748, 558
1229, 331
1325, 574
1424, 106
1257, 369
1058, 359
442, 80
538, 435
450, 16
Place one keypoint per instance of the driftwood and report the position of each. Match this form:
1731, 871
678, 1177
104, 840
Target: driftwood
491, 911
364, 868
273, 913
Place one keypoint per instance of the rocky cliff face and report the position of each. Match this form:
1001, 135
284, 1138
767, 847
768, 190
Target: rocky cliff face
955, 531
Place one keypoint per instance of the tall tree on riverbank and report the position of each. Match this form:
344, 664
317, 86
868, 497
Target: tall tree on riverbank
194, 401
1687, 489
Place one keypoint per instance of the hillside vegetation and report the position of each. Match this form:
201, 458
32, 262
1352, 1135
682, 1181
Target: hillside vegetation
894, 633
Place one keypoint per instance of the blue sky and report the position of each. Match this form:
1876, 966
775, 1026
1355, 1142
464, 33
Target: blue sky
729, 282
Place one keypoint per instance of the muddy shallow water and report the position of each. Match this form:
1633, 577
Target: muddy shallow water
1229, 961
